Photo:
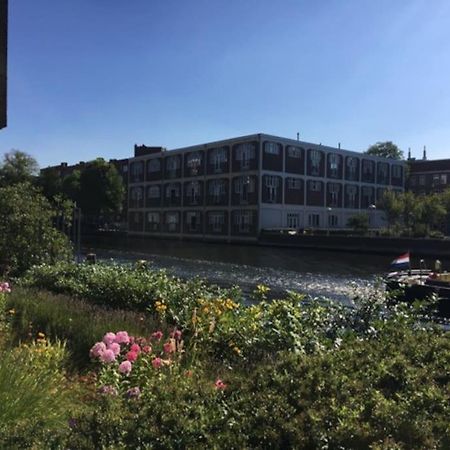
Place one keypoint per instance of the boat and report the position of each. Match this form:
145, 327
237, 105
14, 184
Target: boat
421, 284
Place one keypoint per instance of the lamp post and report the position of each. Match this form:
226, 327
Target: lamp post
328, 220
372, 209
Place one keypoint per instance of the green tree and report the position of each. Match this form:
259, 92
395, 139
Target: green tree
359, 223
101, 188
433, 212
385, 149
17, 167
50, 182
391, 204
27, 233
71, 186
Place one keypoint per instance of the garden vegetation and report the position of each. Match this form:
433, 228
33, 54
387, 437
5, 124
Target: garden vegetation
134, 358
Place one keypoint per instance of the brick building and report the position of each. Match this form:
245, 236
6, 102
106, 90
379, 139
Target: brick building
427, 177
232, 189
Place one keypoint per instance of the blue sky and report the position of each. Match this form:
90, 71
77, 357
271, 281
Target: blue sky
91, 78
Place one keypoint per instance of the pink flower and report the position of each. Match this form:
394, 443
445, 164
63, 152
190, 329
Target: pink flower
147, 349
115, 347
109, 338
135, 348
157, 335
156, 363
132, 356
108, 356
4, 287
107, 390
167, 347
220, 385
176, 334
134, 392
125, 367
97, 349
122, 337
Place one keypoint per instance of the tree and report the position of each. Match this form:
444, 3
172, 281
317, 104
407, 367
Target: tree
71, 186
386, 150
359, 223
17, 167
27, 234
391, 204
50, 182
101, 188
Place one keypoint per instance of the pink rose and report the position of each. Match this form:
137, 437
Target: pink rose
157, 335
122, 337
167, 347
109, 338
125, 367
176, 334
156, 363
4, 287
97, 349
115, 347
132, 356
108, 356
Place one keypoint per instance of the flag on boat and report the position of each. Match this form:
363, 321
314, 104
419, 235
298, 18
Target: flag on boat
402, 262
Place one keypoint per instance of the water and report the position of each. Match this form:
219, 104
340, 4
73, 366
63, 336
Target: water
336, 275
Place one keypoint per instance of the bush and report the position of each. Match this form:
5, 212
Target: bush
27, 235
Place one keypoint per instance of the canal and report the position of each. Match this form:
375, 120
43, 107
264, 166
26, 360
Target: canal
336, 275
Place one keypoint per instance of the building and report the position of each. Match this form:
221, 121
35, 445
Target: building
3, 60
426, 177
234, 188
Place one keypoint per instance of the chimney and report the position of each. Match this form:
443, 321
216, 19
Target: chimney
409, 153
298, 136
424, 157
339, 145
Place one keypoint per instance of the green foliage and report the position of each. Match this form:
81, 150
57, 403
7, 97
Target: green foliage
101, 188
359, 223
74, 321
386, 150
27, 235
17, 167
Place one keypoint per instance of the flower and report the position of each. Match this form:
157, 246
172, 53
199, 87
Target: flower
122, 337
125, 367
167, 347
157, 335
176, 334
160, 307
108, 356
107, 390
132, 356
4, 287
156, 363
147, 349
134, 392
220, 385
109, 338
135, 348
97, 349
115, 347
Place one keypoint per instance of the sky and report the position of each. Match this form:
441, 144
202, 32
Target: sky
91, 78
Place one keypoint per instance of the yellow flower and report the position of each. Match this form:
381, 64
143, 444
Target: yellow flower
237, 350
41, 335
160, 307
12, 311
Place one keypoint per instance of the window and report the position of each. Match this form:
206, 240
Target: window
245, 153
351, 192
244, 186
136, 217
294, 152
315, 186
153, 221
294, 183
413, 181
217, 190
193, 221
436, 180
216, 221
218, 157
137, 170
173, 191
193, 192
154, 192
332, 220
367, 167
352, 166
125, 169
271, 148
334, 189
313, 220
383, 171
367, 193
443, 178
293, 220
333, 164
271, 184
421, 180
193, 162
396, 171
315, 157
137, 196
172, 221
154, 165
243, 220
172, 163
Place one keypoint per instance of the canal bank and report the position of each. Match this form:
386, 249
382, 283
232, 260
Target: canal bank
420, 248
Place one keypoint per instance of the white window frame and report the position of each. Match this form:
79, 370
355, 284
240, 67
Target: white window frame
271, 148
193, 162
315, 186
294, 183
351, 192
217, 221
315, 157
218, 157
294, 152
244, 154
